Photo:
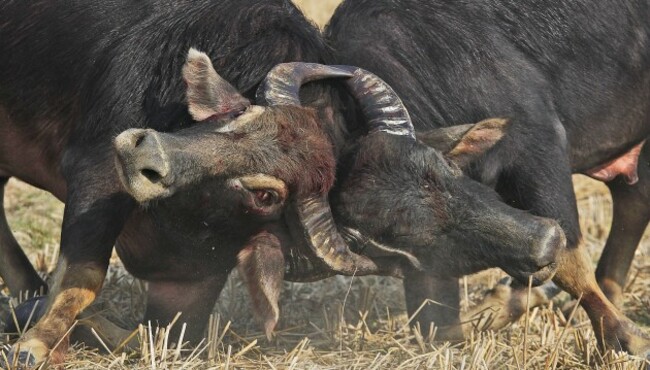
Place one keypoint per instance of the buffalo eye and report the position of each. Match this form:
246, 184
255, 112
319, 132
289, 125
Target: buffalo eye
266, 197
238, 113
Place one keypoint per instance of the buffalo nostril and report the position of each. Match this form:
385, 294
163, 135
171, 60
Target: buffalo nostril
151, 175
139, 140
129, 139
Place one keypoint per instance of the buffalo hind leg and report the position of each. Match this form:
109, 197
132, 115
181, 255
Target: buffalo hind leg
631, 216
433, 301
15, 269
193, 299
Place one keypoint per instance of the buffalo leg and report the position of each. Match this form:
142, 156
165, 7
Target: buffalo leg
504, 304
613, 330
15, 269
194, 299
546, 190
94, 216
631, 216
111, 335
433, 301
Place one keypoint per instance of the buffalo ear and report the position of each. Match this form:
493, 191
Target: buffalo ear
208, 94
463, 144
261, 265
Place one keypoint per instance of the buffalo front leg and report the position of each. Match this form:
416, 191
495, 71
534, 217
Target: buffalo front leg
96, 331
504, 304
193, 299
433, 301
94, 216
539, 180
631, 216
613, 330
76, 286
15, 269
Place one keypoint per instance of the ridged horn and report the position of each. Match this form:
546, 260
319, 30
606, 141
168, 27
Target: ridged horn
282, 84
325, 241
282, 87
383, 110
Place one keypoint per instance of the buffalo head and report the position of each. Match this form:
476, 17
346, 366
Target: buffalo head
238, 141
401, 203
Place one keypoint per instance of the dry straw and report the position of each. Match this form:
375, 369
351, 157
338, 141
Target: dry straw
353, 323
341, 323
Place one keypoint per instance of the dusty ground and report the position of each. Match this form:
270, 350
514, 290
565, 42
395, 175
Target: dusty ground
342, 323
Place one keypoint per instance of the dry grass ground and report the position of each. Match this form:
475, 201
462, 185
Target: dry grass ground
343, 323
319, 11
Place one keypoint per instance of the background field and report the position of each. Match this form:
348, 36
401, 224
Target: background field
342, 323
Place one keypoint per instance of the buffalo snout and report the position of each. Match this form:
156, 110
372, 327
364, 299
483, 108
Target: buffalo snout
143, 164
547, 241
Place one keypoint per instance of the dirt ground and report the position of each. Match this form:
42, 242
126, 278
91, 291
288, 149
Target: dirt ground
341, 323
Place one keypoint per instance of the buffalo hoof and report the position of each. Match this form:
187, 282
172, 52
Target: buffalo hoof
24, 360
26, 314
30, 352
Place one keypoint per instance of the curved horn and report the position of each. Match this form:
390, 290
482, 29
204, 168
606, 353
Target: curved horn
383, 109
282, 84
282, 87
325, 241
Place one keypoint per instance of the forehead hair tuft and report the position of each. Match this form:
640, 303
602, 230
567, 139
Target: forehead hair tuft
312, 165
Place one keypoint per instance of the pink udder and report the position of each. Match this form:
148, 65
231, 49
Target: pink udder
625, 165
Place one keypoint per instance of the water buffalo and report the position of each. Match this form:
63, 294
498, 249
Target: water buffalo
573, 79
199, 180
74, 75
